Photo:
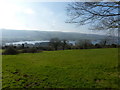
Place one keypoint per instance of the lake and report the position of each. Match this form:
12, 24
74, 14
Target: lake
34, 42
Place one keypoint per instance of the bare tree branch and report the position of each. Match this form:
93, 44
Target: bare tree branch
105, 14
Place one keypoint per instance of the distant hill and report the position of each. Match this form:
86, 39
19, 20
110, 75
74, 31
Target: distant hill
23, 35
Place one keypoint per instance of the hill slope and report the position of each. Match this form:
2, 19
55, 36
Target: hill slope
21, 35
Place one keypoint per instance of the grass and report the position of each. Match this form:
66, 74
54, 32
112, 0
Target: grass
0, 50
90, 68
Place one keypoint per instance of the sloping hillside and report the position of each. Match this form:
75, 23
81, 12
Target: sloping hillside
21, 35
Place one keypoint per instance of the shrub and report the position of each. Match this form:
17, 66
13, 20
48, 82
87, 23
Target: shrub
30, 50
114, 45
10, 51
98, 46
24, 51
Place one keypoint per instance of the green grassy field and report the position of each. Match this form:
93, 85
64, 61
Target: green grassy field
88, 68
0, 50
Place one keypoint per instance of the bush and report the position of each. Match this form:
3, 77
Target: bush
10, 51
114, 45
24, 51
98, 46
30, 50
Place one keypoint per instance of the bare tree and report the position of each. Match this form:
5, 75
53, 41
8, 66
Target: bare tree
108, 40
102, 15
55, 43
104, 42
64, 44
84, 44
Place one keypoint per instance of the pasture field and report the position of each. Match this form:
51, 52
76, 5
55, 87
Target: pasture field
84, 68
0, 50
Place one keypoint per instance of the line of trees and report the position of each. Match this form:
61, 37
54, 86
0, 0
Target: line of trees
57, 44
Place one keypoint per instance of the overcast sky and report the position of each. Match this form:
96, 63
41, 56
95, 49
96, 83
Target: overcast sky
42, 16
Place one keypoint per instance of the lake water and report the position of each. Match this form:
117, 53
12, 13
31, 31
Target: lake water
33, 42
28, 42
